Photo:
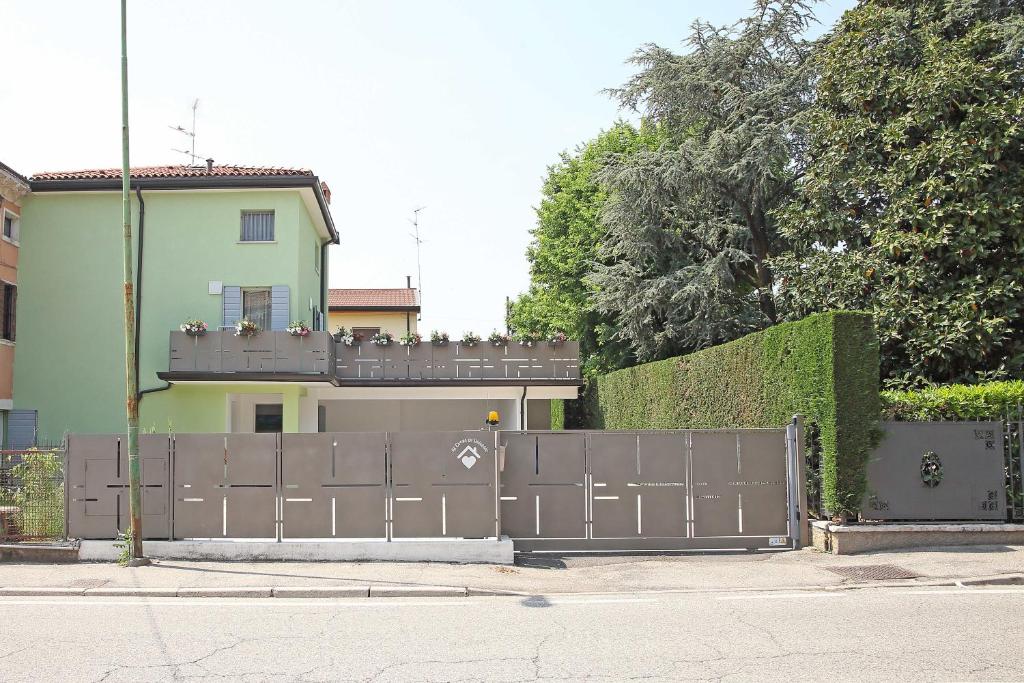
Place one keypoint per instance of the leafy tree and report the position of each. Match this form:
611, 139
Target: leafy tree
564, 249
911, 205
690, 224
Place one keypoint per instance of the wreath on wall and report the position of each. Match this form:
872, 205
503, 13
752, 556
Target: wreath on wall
931, 469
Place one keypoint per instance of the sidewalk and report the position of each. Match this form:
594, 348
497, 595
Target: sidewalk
532, 575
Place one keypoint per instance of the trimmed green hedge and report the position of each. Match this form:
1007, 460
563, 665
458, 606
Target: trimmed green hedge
991, 400
824, 367
557, 413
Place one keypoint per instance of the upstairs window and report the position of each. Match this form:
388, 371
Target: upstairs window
256, 306
10, 227
8, 308
257, 226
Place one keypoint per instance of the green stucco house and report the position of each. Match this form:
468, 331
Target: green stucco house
214, 243
221, 244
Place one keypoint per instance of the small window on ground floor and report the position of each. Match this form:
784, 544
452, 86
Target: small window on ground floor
269, 418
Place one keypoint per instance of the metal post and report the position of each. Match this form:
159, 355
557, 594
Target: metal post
131, 378
497, 486
794, 472
66, 462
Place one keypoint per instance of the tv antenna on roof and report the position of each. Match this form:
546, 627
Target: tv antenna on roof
191, 133
419, 271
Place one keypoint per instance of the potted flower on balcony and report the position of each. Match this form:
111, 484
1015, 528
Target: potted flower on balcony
410, 339
194, 327
530, 339
557, 338
346, 337
498, 339
298, 329
382, 338
470, 339
246, 328
439, 338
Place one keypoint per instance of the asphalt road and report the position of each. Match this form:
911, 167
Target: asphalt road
870, 634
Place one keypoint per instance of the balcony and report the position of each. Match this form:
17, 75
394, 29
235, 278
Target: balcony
279, 356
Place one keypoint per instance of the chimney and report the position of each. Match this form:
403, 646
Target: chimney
209, 165
408, 281
327, 192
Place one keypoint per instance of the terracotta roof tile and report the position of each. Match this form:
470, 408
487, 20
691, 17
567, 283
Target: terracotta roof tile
173, 172
403, 298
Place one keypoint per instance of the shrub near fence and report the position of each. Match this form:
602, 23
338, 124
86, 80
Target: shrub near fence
824, 367
989, 401
31, 495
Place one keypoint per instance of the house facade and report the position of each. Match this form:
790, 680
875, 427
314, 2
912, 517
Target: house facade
221, 244
13, 189
369, 311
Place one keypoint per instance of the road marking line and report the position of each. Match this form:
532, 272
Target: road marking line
778, 596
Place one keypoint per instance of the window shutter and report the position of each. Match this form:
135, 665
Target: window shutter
21, 429
232, 298
279, 307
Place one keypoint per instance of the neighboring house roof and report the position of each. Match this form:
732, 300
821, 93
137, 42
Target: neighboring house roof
192, 178
404, 299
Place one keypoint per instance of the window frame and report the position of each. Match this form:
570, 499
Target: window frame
15, 237
270, 304
250, 212
8, 312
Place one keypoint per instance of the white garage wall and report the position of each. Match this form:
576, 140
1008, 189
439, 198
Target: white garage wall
410, 415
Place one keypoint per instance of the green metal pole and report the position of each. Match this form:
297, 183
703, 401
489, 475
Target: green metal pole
132, 380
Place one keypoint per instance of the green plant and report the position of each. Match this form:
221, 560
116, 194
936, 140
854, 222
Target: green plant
557, 414
124, 544
824, 367
470, 339
991, 400
194, 327
382, 338
299, 328
438, 338
910, 206
498, 338
246, 328
38, 493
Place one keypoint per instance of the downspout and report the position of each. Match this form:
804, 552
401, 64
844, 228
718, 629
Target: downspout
138, 295
522, 410
323, 282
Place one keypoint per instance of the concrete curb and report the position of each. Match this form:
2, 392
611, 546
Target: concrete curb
404, 591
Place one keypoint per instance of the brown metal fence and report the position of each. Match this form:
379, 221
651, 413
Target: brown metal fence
32, 496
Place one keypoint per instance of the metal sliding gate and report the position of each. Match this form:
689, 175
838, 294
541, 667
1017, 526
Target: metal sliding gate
289, 486
643, 490
652, 490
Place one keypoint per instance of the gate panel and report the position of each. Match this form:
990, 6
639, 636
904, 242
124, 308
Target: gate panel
225, 485
761, 483
98, 477
639, 484
543, 486
334, 485
937, 471
443, 484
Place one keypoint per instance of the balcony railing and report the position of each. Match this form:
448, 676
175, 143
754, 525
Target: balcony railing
457, 361
267, 352
319, 357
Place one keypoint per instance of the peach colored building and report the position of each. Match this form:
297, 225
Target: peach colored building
13, 186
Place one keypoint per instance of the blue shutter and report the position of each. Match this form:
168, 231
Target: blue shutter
279, 307
232, 298
21, 429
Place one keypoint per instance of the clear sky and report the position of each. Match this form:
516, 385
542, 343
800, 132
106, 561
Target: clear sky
458, 106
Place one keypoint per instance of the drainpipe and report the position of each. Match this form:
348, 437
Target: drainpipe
323, 282
522, 410
138, 295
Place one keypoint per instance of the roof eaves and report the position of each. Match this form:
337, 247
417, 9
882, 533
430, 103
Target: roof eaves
192, 183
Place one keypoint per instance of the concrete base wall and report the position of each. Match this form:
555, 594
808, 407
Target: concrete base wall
848, 540
410, 415
460, 551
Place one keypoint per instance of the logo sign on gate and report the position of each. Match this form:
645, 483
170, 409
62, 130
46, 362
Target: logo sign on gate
469, 451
